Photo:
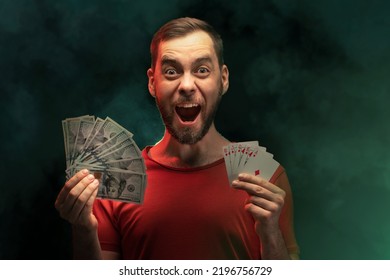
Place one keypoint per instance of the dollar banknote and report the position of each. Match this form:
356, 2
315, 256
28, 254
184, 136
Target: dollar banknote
109, 152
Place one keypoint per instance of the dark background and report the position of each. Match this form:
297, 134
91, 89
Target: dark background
309, 80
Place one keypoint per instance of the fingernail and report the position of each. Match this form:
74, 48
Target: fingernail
84, 171
96, 182
90, 177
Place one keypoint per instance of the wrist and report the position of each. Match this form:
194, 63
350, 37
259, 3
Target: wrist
84, 229
273, 245
267, 229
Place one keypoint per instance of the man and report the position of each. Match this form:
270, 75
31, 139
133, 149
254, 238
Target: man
189, 210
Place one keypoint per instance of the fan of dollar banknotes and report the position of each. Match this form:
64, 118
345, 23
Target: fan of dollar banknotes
108, 151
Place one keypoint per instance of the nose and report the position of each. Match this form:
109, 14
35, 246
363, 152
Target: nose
187, 84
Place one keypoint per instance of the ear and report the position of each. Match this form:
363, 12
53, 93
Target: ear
151, 87
225, 79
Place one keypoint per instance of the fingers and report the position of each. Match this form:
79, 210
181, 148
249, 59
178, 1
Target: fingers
259, 187
266, 199
69, 185
82, 216
75, 200
80, 203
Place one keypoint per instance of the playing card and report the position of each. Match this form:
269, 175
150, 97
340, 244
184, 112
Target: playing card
262, 164
246, 151
249, 153
240, 149
228, 163
237, 151
248, 157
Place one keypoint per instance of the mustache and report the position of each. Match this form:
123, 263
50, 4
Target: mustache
187, 99
192, 99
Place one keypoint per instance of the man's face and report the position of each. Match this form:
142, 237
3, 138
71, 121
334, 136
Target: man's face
188, 83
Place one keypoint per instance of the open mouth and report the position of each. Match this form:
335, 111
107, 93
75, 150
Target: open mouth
188, 112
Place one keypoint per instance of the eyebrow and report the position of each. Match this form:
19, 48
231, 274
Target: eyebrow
201, 60
167, 60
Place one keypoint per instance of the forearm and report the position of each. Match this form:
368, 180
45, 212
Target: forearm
273, 246
86, 244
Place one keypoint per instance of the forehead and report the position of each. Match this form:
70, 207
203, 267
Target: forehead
195, 44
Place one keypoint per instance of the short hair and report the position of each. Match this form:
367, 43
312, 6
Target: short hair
181, 27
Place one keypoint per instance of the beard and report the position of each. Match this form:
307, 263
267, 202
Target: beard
189, 135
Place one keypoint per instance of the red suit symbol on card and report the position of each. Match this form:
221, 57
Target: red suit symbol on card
257, 172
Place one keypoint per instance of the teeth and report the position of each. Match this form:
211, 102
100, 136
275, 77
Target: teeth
187, 105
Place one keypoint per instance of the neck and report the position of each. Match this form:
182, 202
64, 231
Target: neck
170, 152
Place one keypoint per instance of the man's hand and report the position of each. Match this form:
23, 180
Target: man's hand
74, 203
75, 200
265, 202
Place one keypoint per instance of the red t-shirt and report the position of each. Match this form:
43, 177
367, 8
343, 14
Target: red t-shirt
188, 213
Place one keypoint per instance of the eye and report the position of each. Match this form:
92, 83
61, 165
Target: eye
170, 72
203, 71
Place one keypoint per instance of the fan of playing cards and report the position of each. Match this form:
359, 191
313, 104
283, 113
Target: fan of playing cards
108, 151
248, 157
